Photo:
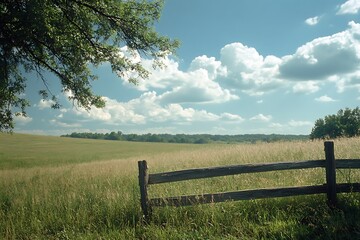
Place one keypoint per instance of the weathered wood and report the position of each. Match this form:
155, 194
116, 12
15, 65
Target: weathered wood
230, 170
143, 183
235, 196
347, 187
347, 163
330, 173
251, 194
330, 188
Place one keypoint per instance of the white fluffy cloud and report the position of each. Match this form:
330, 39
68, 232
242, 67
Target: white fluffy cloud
349, 7
22, 120
239, 70
306, 87
243, 70
43, 104
324, 98
149, 108
196, 85
312, 21
350, 81
160, 78
231, 117
320, 60
200, 90
261, 117
213, 68
239, 58
114, 113
324, 57
248, 71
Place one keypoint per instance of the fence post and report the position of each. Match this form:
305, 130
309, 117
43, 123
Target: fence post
330, 173
143, 182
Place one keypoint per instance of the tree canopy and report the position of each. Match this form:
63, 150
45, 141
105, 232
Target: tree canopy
67, 38
187, 138
346, 123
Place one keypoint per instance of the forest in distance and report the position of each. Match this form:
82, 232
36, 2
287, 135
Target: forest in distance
188, 138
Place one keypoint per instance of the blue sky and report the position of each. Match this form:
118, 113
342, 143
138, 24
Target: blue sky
244, 66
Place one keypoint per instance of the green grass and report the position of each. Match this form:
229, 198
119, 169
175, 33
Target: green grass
60, 188
25, 151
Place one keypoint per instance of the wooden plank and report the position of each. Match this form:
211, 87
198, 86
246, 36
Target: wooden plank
235, 196
347, 187
143, 183
330, 173
347, 163
230, 170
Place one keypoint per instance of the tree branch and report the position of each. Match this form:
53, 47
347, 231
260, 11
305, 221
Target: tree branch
81, 30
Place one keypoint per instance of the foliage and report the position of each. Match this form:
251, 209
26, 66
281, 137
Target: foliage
187, 138
66, 38
346, 123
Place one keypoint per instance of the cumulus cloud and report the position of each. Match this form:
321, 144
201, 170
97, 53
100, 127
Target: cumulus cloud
149, 108
324, 57
196, 85
324, 98
349, 7
239, 58
306, 87
261, 117
350, 81
22, 120
317, 61
213, 68
160, 78
200, 90
248, 71
43, 104
231, 117
242, 69
312, 21
114, 113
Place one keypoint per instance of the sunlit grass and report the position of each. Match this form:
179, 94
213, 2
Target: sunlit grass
64, 195
24, 151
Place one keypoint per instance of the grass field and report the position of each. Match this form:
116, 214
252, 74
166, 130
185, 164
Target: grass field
62, 188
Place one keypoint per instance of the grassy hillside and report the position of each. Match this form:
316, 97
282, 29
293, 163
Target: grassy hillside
56, 188
24, 151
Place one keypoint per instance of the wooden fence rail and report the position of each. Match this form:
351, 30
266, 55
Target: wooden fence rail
330, 187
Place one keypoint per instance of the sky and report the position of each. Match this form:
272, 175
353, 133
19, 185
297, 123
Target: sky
243, 67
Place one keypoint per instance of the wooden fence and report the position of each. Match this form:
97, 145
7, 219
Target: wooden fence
330, 187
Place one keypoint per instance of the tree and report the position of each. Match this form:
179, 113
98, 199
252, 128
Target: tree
346, 123
66, 38
318, 130
333, 128
350, 120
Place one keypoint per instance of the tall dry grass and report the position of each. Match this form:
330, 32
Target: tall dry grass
100, 199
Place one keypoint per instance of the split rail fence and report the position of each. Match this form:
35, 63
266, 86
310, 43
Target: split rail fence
331, 188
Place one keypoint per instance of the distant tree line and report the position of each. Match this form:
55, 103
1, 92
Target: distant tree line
346, 123
187, 138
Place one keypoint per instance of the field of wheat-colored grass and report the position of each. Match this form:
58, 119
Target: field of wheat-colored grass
57, 188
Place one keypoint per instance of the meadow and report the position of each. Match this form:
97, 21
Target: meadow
63, 188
